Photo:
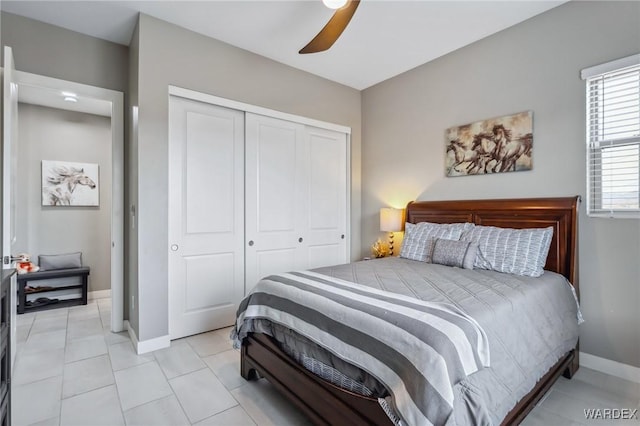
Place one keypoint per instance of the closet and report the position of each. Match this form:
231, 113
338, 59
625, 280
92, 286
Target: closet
249, 195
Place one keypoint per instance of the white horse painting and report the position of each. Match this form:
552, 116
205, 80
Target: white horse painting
69, 184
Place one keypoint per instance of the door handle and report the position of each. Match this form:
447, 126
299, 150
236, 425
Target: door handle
300, 240
10, 259
174, 247
251, 243
342, 237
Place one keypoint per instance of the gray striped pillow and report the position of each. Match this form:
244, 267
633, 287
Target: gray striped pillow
416, 249
514, 251
416, 246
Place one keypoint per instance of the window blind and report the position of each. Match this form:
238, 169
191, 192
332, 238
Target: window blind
613, 143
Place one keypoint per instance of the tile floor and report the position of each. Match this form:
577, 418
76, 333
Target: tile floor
70, 370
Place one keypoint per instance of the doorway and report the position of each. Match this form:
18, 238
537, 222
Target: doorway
42, 100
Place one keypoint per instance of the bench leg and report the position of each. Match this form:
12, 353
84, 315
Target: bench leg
22, 298
84, 289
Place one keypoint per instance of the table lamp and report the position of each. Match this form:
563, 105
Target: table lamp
390, 221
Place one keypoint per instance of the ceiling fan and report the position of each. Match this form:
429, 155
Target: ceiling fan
336, 25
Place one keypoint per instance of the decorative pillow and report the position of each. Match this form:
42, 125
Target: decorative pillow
514, 251
417, 234
416, 249
461, 254
50, 262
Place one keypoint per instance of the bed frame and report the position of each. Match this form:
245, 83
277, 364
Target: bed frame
326, 404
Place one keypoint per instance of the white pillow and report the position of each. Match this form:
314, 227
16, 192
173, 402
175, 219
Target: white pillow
514, 251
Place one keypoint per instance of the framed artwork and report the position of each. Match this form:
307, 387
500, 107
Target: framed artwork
70, 184
497, 145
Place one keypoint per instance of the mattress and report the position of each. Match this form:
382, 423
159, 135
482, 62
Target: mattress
530, 323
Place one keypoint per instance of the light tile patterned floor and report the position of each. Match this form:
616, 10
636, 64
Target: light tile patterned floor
70, 370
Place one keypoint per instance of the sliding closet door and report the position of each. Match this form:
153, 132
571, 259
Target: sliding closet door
296, 197
275, 194
327, 170
206, 216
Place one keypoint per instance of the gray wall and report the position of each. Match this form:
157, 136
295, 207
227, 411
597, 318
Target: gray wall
532, 66
52, 51
53, 134
171, 55
45, 49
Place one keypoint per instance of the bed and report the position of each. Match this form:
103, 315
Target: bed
326, 403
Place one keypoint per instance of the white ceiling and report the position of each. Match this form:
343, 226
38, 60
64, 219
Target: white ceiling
384, 38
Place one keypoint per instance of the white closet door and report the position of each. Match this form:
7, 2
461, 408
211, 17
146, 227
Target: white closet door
326, 165
206, 216
275, 194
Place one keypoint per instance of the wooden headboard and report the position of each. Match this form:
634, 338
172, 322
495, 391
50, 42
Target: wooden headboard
561, 213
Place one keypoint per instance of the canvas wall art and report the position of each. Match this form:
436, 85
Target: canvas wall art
70, 184
497, 145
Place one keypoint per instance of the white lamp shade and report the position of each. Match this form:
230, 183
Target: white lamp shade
390, 219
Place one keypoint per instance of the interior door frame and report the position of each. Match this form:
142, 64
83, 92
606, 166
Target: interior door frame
117, 166
9, 136
241, 106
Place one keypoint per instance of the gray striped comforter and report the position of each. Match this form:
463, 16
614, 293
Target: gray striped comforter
420, 350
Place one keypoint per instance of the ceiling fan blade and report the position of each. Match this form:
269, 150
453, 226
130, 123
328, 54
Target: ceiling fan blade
330, 33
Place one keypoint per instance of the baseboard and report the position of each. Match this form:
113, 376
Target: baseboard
153, 344
145, 346
131, 332
613, 368
98, 294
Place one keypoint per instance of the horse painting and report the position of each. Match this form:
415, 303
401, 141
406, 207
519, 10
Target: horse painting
61, 183
472, 157
492, 146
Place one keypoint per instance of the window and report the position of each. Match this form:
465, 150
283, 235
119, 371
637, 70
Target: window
613, 138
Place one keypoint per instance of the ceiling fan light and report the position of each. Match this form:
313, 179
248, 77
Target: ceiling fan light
334, 4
